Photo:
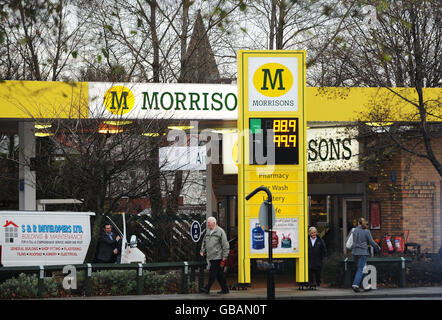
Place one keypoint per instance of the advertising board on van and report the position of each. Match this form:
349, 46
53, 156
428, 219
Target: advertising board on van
31, 238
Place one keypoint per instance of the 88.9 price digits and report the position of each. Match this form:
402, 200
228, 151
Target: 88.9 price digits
284, 125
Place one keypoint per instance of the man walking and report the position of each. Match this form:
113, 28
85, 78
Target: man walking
216, 247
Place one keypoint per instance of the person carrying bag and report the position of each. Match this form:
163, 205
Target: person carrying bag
361, 237
349, 242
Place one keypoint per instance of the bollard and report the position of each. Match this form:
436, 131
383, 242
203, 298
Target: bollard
192, 275
402, 281
89, 280
40, 281
140, 285
184, 278
347, 274
201, 278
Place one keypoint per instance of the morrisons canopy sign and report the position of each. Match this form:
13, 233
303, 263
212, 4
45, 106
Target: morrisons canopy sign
67, 100
182, 101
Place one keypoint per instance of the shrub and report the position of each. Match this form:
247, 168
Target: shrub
114, 282
26, 286
333, 270
387, 275
51, 287
119, 282
110, 282
156, 283
427, 270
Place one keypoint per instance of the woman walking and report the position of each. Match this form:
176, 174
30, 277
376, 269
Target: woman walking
361, 238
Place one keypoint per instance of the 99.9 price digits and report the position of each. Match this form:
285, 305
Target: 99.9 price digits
285, 140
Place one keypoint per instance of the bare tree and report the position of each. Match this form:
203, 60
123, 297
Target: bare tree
400, 48
284, 24
99, 164
42, 38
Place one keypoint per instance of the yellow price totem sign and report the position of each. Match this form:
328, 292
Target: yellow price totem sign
272, 153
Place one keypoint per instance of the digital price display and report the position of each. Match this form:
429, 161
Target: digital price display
284, 142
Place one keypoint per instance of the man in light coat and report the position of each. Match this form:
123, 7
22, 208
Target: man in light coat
216, 247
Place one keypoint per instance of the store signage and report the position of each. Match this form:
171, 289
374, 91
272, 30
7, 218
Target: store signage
182, 158
162, 101
332, 149
285, 240
329, 149
71, 100
273, 86
272, 153
282, 147
195, 231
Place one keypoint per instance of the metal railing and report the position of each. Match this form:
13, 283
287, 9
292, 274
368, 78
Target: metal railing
188, 272
400, 262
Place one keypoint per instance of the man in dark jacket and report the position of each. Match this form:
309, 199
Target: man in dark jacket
107, 246
317, 251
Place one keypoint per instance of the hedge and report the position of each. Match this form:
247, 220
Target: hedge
109, 282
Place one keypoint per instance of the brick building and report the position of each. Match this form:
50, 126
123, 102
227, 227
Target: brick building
408, 189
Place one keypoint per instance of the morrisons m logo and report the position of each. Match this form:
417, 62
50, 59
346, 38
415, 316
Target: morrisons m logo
273, 79
267, 76
119, 100
115, 100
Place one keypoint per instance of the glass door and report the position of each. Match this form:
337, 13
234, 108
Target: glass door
351, 212
228, 216
232, 217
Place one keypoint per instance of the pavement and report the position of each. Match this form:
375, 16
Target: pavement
289, 293
285, 289
253, 304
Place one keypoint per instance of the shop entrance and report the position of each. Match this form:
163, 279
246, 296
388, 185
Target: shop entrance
334, 209
351, 212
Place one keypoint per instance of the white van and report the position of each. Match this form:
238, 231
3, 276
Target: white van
33, 238
129, 251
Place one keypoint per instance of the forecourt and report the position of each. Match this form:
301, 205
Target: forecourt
217, 105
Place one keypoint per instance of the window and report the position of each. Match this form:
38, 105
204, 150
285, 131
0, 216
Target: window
319, 207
